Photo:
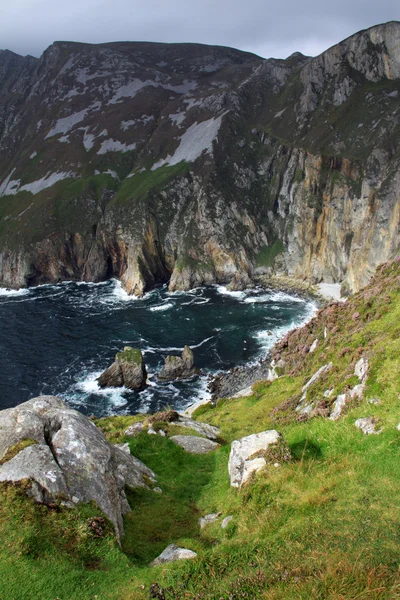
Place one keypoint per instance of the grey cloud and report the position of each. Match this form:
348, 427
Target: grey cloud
268, 28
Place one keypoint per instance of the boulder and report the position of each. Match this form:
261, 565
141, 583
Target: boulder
203, 521
66, 458
128, 370
226, 521
368, 425
242, 462
209, 431
134, 430
178, 367
193, 444
172, 553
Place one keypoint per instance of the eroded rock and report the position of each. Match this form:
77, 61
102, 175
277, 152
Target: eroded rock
128, 370
193, 444
172, 553
242, 462
368, 425
68, 458
178, 367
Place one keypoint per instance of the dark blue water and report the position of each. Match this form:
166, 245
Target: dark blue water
57, 339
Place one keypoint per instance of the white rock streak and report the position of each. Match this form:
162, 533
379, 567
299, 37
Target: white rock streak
115, 146
13, 187
197, 139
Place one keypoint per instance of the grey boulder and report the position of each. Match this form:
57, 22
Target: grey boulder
68, 459
242, 462
172, 553
193, 444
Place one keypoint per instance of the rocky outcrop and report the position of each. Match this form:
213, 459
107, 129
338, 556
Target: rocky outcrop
249, 454
216, 167
194, 444
66, 459
128, 370
178, 367
368, 425
172, 553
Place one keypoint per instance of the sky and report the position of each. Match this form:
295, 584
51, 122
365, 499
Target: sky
265, 27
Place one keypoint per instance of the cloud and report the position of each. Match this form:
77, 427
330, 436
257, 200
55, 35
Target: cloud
266, 27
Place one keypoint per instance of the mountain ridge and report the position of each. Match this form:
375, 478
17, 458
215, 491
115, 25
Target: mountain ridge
216, 166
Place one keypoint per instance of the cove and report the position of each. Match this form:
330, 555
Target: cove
57, 339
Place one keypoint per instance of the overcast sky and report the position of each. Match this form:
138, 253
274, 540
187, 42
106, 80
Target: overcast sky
266, 27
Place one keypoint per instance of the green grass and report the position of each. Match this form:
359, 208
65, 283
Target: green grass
323, 525
266, 256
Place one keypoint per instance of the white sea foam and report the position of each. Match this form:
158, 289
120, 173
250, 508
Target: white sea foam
88, 384
161, 307
223, 290
9, 292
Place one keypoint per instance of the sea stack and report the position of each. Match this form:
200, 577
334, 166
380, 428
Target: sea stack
127, 370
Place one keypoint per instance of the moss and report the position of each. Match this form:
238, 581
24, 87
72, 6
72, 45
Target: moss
266, 256
130, 355
16, 449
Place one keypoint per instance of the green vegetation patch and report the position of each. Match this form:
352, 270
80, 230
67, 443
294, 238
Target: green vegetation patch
130, 355
16, 449
266, 256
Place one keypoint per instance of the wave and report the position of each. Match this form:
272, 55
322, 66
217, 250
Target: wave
6, 292
88, 385
161, 307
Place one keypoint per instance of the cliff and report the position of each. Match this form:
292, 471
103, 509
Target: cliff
199, 164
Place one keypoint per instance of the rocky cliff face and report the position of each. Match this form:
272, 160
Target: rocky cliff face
196, 164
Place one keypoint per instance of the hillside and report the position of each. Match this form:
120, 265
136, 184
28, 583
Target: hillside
323, 523
194, 164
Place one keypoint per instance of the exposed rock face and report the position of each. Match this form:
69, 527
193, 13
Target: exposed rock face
368, 425
172, 553
199, 164
194, 444
128, 370
242, 464
69, 459
176, 367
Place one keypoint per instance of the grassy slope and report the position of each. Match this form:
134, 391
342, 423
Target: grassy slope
326, 525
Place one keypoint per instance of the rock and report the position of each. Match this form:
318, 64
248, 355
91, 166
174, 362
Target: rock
241, 464
176, 367
128, 370
172, 553
124, 447
368, 425
209, 431
317, 375
328, 393
374, 401
68, 459
158, 490
313, 346
203, 521
193, 444
361, 369
226, 522
134, 430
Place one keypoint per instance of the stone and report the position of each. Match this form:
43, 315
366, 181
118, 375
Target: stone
226, 521
124, 447
361, 369
317, 375
193, 444
188, 412
176, 367
128, 370
203, 521
313, 346
241, 462
69, 460
134, 430
368, 425
209, 431
172, 553
374, 401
